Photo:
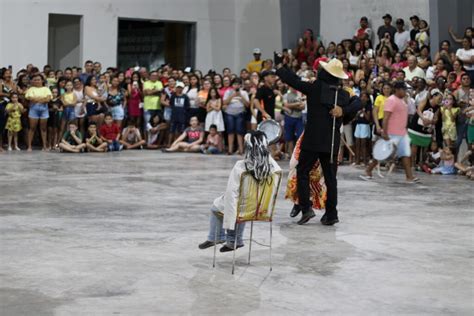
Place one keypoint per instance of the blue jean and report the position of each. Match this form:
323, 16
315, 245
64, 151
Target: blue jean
69, 114
235, 124
115, 146
215, 223
293, 128
39, 111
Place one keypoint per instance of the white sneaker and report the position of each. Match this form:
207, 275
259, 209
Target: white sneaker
9, 148
17, 149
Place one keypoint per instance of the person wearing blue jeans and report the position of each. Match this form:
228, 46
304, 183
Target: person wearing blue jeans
258, 163
223, 235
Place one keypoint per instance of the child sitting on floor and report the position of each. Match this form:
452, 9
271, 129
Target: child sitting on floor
93, 141
446, 165
213, 143
110, 133
154, 129
190, 140
131, 138
72, 140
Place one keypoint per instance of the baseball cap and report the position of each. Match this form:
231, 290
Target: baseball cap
387, 16
180, 84
435, 91
400, 21
257, 51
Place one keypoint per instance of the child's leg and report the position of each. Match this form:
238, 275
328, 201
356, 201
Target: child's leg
10, 136
357, 150
67, 148
363, 151
136, 145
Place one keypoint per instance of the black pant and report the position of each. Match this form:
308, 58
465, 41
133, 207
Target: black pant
306, 162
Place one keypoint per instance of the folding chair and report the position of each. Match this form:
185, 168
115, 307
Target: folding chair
256, 203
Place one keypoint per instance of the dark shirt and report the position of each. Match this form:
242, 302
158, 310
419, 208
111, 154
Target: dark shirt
267, 96
361, 116
179, 108
384, 29
320, 100
413, 33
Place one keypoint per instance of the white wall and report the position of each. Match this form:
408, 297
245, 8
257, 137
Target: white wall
340, 18
226, 30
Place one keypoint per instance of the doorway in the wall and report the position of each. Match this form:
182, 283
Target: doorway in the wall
64, 40
151, 43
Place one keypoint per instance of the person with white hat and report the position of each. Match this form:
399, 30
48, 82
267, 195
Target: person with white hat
318, 142
256, 64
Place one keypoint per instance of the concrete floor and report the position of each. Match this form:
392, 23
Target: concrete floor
117, 234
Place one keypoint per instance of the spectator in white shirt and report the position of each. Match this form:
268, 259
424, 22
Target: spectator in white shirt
412, 70
402, 37
466, 55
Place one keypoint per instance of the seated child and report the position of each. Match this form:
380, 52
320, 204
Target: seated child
259, 163
446, 165
93, 141
131, 138
110, 133
190, 140
72, 140
154, 127
213, 143
433, 158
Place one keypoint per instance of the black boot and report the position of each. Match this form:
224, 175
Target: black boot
307, 215
295, 210
329, 219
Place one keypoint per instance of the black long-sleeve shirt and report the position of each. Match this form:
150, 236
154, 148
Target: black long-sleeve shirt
320, 101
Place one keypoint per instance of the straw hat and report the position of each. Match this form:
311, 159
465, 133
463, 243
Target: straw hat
334, 67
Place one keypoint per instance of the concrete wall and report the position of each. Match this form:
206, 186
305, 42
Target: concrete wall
226, 30
296, 17
64, 48
456, 13
340, 18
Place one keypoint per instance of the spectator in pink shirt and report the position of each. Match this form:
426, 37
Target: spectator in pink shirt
395, 129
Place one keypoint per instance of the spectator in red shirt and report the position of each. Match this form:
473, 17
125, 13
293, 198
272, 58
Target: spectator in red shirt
110, 133
364, 32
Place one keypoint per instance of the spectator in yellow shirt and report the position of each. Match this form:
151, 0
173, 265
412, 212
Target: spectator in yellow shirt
256, 64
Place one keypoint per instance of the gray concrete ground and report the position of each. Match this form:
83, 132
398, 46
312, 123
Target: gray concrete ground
117, 234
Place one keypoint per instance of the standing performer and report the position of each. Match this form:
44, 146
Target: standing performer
317, 140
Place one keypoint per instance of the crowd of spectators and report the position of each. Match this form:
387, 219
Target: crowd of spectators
90, 109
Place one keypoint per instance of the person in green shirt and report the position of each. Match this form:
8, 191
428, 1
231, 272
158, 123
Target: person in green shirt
152, 90
72, 140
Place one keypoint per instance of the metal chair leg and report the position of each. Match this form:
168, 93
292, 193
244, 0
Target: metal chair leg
271, 235
215, 244
235, 248
250, 243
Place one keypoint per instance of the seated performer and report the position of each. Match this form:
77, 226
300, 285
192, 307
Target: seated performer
261, 166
